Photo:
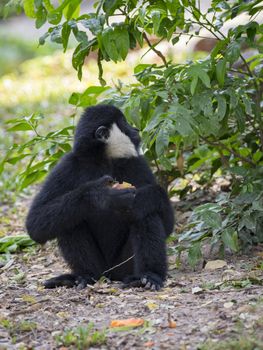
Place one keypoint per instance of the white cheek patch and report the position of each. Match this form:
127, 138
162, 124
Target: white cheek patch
119, 145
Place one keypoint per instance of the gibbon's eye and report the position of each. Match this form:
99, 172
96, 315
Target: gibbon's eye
102, 133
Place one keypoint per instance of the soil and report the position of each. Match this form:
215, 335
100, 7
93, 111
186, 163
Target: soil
194, 306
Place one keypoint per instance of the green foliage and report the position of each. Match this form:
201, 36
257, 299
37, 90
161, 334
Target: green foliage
11, 244
200, 116
82, 337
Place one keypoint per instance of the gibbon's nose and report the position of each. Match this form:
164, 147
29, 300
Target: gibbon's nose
102, 133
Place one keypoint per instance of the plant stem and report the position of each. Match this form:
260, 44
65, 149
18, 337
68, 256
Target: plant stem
152, 47
230, 150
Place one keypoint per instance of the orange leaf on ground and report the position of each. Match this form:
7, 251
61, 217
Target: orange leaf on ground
130, 322
172, 324
149, 344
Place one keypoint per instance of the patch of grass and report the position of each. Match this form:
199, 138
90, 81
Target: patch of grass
15, 328
81, 338
11, 244
242, 343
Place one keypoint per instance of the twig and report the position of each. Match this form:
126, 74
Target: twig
101, 80
158, 53
25, 311
114, 267
230, 150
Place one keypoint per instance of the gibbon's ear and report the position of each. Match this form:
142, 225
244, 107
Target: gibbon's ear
102, 133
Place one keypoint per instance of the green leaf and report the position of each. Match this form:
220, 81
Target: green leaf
230, 239
122, 40
194, 254
233, 52
23, 126
14, 160
108, 42
96, 90
74, 98
72, 9
78, 58
197, 71
32, 178
241, 118
175, 40
29, 8
10, 244
156, 19
221, 71
48, 5
183, 119
54, 17
65, 33
93, 24
41, 17
205, 78
220, 46
88, 97
221, 106
162, 140
193, 85
212, 219
109, 6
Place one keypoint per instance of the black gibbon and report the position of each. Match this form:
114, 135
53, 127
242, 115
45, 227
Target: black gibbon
102, 230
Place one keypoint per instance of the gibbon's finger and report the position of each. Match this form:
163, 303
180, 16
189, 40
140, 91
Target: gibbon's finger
123, 192
106, 180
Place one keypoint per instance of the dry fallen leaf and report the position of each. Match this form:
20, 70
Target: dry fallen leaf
28, 298
149, 344
197, 290
130, 322
171, 323
180, 163
228, 304
215, 264
152, 306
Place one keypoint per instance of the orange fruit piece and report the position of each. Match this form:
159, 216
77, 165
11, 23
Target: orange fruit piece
130, 322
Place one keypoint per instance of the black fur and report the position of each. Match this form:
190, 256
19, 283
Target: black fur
98, 227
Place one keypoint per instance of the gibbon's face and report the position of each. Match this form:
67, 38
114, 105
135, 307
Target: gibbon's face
120, 138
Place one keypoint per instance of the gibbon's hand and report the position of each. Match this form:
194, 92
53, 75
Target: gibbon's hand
104, 181
121, 200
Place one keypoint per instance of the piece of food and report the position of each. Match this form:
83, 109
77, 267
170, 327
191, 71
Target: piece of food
123, 185
130, 322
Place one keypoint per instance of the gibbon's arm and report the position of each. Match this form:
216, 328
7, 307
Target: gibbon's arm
48, 220
58, 208
62, 204
151, 199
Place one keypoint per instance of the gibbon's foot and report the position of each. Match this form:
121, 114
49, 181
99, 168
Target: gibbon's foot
148, 280
66, 280
82, 281
69, 281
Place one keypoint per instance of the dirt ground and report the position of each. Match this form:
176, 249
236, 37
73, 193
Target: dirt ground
217, 308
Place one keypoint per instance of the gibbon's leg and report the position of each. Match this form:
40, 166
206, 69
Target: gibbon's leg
150, 263
83, 255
